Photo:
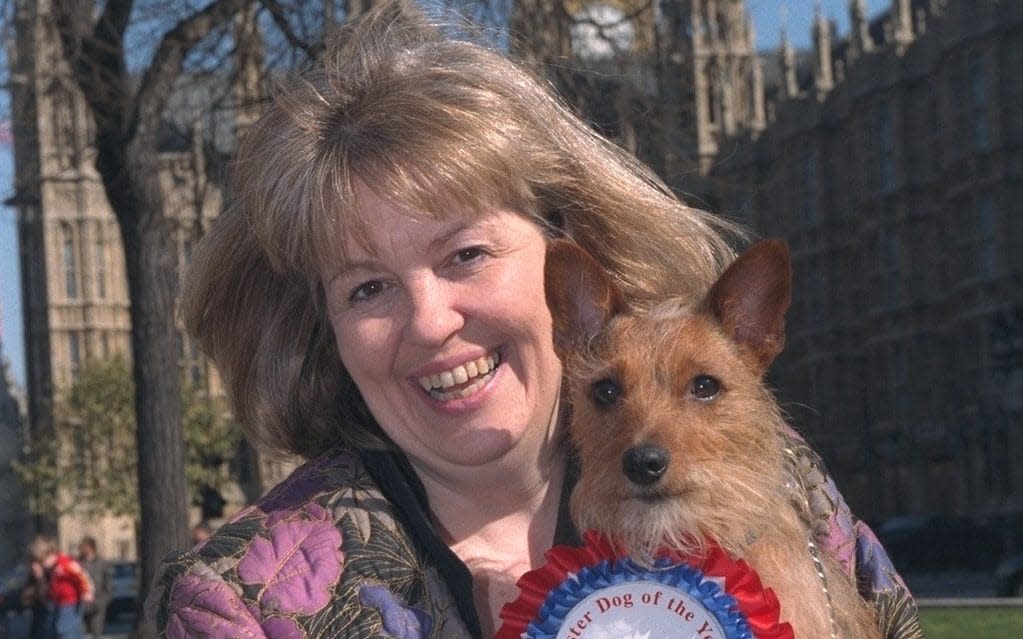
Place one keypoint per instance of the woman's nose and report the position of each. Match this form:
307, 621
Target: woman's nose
433, 311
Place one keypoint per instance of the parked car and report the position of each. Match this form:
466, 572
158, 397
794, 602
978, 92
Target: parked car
124, 587
12, 583
1009, 577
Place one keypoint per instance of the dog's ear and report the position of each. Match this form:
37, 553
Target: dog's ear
751, 297
580, 294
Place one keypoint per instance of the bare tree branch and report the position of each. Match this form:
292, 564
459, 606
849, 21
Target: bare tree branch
97, 60
113, 22
280, 18
158, 79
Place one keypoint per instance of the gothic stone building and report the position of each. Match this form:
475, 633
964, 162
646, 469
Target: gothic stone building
893, 167
74, 290
668, 81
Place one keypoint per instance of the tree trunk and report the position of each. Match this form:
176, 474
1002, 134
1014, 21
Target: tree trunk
540, 37
128, 113
162, 488
131, 179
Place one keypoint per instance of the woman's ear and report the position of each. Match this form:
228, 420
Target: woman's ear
580, 295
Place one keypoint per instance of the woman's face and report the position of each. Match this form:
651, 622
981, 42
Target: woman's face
444, 328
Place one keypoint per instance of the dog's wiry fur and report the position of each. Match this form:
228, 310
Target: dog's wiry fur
638, 382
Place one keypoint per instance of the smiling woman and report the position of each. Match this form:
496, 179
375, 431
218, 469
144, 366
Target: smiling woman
373, 298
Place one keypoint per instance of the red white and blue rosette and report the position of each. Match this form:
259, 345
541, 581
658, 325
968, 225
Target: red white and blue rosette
596, 592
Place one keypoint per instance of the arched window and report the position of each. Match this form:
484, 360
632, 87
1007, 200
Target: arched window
986, 257
810, 192
74, 352
979, 101
100, 258
70, 259
65, 125
885, 148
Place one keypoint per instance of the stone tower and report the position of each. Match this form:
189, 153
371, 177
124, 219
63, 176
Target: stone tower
726, 75
74, 289
697, 57
74, 296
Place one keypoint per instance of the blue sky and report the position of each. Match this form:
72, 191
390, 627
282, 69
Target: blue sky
796, 17
769, 18
10, 287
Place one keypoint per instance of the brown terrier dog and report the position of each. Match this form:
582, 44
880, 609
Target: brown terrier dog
679, 440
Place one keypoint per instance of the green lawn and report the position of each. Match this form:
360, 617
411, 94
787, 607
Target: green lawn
990, 623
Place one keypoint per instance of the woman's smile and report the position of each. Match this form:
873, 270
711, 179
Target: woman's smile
463, 380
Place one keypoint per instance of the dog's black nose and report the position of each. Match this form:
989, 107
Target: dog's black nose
645, 464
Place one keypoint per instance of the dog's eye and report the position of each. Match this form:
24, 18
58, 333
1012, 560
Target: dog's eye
605, 392
705, 387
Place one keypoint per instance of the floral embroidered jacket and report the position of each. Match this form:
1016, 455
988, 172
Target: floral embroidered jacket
340, 551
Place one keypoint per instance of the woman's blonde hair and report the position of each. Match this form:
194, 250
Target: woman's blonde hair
436, 122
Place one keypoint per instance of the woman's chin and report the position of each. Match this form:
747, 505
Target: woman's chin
479, 448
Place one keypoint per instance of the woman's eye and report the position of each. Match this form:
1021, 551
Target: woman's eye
705, 387
366, 291
469, 254
605, 392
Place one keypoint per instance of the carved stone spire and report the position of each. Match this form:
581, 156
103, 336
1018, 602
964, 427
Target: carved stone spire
859, 39
248, 81
788, 66
903, 28
759, 122
823, 76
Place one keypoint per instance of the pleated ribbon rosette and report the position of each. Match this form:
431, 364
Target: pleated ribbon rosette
596, 592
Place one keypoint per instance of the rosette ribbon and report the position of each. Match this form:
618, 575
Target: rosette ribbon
726, 591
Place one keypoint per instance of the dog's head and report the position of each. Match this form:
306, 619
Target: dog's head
676, 434
748, 301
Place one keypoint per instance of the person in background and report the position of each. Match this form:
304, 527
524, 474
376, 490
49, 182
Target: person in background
373, 299
35, 598
68, 588
95, 613
201, 532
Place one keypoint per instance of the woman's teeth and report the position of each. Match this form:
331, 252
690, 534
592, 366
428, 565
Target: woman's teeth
474, 373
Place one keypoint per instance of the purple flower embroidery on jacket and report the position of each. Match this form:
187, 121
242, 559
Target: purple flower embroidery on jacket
282, 628
207, 608
298, 565
306, 482
399, 621
841, 541
874, 563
